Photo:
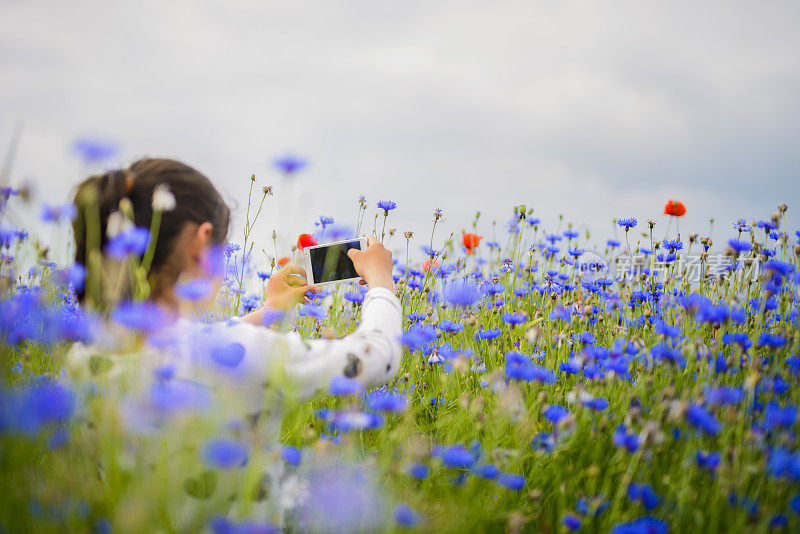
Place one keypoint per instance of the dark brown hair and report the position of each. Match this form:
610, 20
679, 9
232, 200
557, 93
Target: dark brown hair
197, 201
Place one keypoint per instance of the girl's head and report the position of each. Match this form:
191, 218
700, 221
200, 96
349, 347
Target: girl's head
199, 220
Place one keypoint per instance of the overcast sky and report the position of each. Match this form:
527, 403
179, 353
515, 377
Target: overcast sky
593, 110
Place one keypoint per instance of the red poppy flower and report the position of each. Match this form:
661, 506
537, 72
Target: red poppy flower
305, 240
675, 207
283, 260
471, 241
427, 265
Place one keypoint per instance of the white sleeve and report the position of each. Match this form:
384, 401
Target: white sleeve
370, 355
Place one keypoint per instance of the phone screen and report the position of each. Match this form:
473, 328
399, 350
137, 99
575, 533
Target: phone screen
330, 263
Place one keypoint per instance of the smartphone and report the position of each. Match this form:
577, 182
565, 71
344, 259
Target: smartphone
329, 264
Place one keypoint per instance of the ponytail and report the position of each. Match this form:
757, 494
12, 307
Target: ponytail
131, 192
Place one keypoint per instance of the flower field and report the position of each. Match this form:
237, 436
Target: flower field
552, 381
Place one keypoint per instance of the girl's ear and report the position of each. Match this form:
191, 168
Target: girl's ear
204, 232
200, 239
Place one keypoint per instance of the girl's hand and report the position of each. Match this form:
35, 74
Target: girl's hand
374, 265
287, 287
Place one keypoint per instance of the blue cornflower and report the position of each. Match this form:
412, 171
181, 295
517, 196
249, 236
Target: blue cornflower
289, 164
490, 333
778, 522
341, 385
355, 297
291, 455
570, 234
271, 317
131, 241
8, 235
621, 438
385, 401
794, 504
224, 453
196, 289
667, 330
228, 355
570, 367
613, 243
576, 252
672, 246
645, 494
643, 525
598, 404
700, 418
386, 206
168, 396
587, 338
222, 525
73, 276
455, 456
571, 522
93, 150
418, 336
771, 340
6, 192
709, 461
418, 471
543, 441
779, 267
628, 223
64, 212
555, 413
512, 226
487, 471
514, 318
519, 367
417, 317
560, 313
449, 326
311, 310
510, 481
777, 417
144, 316
323, 222
350, 420
729, 396
25, 409
741, 226
462, 293
493, 289
405, 516
740, 246
231, 248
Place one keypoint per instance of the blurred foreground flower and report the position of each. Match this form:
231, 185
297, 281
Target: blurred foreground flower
93, 150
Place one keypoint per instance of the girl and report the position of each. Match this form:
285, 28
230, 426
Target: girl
242, 360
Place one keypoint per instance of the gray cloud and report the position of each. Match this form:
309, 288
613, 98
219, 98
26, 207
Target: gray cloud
593, 110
